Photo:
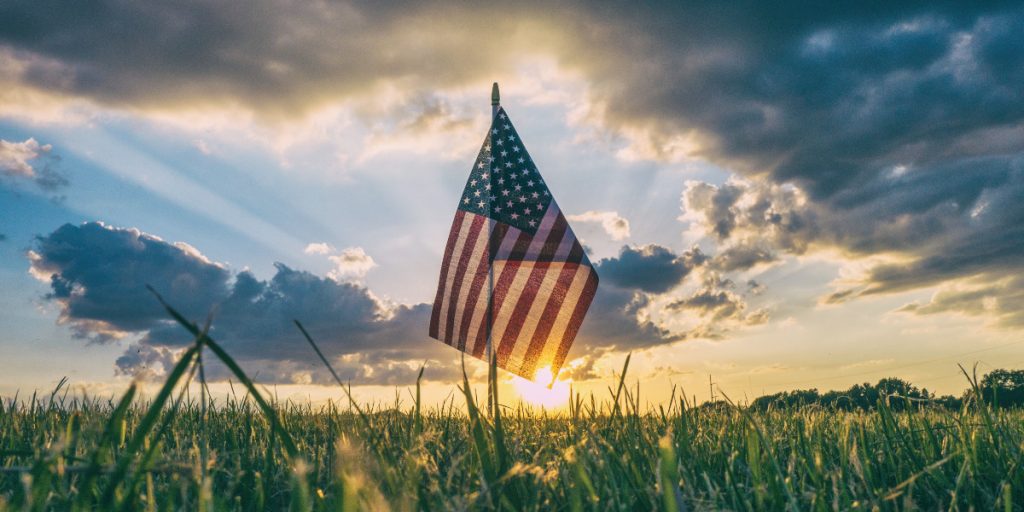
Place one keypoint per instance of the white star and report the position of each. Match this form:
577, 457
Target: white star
501, 116
533, 223
516, 149
526, 211
511, 137
497, 209
514, 216
504, 192
465, 201
501, 181
521, 160
513, 176
508, 164
529, 183
488, 187
484, 175
518, 188
476, 193
480, 204
507, 126
472, 182
522, 199
480, 165
500, 142
487, 148
495, 131
508, 203
533, 194
504, 153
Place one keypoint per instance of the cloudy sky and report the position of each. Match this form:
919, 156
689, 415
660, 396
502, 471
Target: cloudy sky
775, 196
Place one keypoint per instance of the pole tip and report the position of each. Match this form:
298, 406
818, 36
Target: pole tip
495, 97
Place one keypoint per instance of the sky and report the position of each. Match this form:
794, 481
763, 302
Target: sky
775, 195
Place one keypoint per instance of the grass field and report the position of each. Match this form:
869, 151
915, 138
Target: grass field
177, 451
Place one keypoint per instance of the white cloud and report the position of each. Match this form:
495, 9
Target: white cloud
15, 157
319, 248
351, 263
615, 225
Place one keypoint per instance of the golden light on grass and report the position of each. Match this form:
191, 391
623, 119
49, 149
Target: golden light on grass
536, 391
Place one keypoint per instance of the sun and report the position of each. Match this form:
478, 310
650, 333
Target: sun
536, 391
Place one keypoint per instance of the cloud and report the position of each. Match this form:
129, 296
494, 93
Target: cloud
32, 161
650, 268
318, 248
718, 307
1000, 300
350, 263
615, 225
97, 275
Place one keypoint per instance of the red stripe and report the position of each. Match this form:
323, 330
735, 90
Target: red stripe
511, 334
460, 274
550, 247
548, 317
575, 321
482, 271
576, 254
501, 287
453, 235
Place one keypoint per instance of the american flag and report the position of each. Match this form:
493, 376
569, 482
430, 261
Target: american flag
542, 282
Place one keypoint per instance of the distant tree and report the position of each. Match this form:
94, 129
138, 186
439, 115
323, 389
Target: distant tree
1003, 388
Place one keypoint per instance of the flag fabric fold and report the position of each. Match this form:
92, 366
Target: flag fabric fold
542, 282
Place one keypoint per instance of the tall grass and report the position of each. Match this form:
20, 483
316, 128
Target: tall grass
175, 452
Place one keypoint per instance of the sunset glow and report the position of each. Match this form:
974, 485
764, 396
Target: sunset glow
536, 392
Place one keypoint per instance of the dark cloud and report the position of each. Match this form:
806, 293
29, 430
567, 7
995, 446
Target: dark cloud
651, 268
98, 274
742, 256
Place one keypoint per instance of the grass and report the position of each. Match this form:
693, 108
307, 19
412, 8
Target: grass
176, 451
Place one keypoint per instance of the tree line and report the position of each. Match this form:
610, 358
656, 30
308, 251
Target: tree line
999, 388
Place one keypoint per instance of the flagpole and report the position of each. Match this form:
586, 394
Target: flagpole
495, 104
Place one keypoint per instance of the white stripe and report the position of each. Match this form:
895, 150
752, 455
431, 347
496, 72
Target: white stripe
572, 298
478, 251
508, 304
453, 265
540, 301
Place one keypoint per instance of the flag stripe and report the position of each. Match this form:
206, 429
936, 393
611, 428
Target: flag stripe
523, 305
453, 252
509, 270
542, 295
461, 266
476, 274
576, 320
558, 297
476, 302
505, 310
573, 294
453, 234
